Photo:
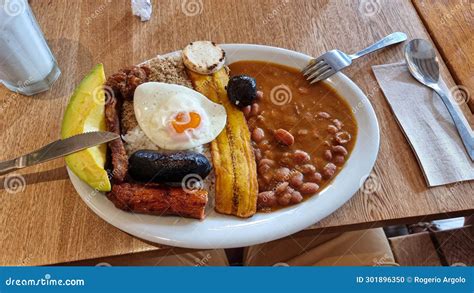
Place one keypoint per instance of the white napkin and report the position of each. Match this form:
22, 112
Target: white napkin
427, 125
142, 9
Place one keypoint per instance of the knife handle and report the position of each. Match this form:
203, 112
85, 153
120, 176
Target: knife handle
11, 165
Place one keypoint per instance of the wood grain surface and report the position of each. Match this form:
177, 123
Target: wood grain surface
46, 222
451, 25
448, 248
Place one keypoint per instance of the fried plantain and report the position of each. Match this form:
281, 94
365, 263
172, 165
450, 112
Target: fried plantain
232, 154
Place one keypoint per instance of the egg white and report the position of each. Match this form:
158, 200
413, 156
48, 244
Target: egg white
156, 104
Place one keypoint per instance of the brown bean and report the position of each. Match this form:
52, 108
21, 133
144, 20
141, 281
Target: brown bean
324, 115
339, 149
255, 109
282, 174
296, 179
266, 199
266, 177
263, 169
258, 135
332, 129
284, 137
261, 184
315, 177
286, 161
264, 145
286, 155
266, 161
259, 95
339, 160
303, 90
308, 188
269, 154
282, 187
329, 170
301, 157
327, 155
342, 137
258, 154
338, 123
307, 168
296, 197
284, 199
246, 111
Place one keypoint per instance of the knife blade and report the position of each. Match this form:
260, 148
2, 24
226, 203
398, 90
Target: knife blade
58, 148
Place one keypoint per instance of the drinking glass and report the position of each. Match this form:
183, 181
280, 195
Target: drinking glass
27, 65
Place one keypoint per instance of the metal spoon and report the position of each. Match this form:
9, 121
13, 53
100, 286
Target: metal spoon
423, 65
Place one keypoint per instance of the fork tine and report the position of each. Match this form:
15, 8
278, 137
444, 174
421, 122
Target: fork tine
315, 67
323, 75
310, 64
313, 64
312, 68
318, 71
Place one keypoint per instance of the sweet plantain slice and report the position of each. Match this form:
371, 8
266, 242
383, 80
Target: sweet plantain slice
232, 155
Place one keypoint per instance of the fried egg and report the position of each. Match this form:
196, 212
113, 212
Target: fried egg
175, 117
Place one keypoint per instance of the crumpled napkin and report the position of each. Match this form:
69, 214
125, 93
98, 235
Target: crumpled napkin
142, 9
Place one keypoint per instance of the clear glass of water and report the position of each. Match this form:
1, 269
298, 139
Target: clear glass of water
27, 65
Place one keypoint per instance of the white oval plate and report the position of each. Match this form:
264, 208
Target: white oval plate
220, 231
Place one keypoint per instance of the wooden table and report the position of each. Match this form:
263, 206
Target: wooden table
451, 25
48, 223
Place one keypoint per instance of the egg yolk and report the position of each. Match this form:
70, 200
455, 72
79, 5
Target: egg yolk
183, 121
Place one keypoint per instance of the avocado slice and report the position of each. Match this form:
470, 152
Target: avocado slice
85, 113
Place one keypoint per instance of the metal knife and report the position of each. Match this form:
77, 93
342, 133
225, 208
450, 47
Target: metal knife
58, 148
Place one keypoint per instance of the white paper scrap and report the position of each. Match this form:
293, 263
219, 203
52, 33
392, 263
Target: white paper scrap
142, 9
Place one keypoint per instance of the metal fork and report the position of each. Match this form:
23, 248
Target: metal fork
333, 61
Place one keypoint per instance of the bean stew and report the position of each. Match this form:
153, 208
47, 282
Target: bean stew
301, 134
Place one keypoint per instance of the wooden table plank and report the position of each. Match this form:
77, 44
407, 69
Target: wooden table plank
414, 250
48, 222
451, 25
447, 247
